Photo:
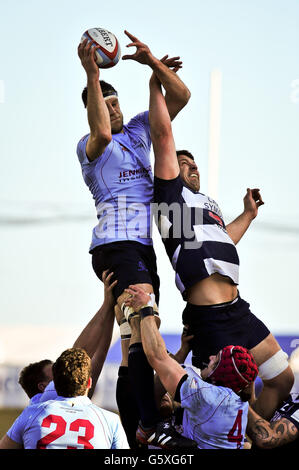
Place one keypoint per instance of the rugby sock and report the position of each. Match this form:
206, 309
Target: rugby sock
127, 406
142, 382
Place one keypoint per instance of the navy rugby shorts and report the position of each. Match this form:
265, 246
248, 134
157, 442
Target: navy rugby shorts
217, 326
131, 262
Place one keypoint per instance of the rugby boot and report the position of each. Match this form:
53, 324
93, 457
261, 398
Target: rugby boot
163, 436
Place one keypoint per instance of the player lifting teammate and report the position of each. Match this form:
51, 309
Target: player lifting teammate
122, 240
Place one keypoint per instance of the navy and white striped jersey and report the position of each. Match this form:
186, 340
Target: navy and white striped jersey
194, 234
289, 410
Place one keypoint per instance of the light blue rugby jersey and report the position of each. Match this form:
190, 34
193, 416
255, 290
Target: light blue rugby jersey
74, 423
215, 417
121, 183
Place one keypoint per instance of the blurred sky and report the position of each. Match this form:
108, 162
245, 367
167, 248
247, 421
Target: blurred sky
46, 211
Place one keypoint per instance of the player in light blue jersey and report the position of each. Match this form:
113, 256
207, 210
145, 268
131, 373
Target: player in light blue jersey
116, 167
214, 400
71, 421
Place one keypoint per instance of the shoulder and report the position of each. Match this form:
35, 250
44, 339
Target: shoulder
111, 419
49, 393
141, 118
22, 420
82, 142
108, 415
139, 127
166, 190
82, 155
81, 149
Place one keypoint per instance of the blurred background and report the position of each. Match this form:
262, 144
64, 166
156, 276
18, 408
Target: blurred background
48, 288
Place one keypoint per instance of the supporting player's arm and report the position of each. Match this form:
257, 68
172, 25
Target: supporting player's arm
7, 443
267, 435
169, 371
182, 353
96, 336
177, 94
252, 202
97, 111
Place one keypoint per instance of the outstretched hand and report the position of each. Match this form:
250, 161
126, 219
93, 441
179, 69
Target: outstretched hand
186, 338
142, 55
252, 201
108, 287
172, 62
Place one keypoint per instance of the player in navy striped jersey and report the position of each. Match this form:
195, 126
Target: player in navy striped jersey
281, 431
203, 254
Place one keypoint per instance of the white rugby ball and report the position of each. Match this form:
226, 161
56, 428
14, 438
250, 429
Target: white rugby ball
107, 46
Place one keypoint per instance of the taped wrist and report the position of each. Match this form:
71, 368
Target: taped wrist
125, 329
146, 311
128, 312
150, 303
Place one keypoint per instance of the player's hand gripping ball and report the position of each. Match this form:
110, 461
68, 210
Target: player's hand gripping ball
107, 52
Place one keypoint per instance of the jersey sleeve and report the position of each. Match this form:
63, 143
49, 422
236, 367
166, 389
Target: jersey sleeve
81, 150
119, 437
291, 412
167, 191
82, 156
16, 431
191, 392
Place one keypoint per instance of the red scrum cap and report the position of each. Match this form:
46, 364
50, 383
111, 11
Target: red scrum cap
236, 368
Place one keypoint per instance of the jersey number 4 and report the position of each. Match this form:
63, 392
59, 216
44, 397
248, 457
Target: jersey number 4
238, 437
61, 428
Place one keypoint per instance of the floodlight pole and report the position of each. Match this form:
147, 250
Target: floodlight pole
214, 132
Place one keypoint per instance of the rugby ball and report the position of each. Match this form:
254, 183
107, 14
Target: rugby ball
107, 46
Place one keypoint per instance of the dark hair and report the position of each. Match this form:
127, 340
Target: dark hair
32, 375
71, 372
184, 152
106, 88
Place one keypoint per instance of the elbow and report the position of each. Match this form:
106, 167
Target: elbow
105, 138
183, 98
100, 138
187, 96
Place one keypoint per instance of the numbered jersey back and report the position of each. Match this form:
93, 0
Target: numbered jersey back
68, 423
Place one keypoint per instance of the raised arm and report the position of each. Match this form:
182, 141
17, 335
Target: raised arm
7, 443
96, 337
166, 163
252, 202
97, 111
168, 369
177, 94
181, 355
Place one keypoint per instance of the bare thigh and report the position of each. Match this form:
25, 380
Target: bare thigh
265, 349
